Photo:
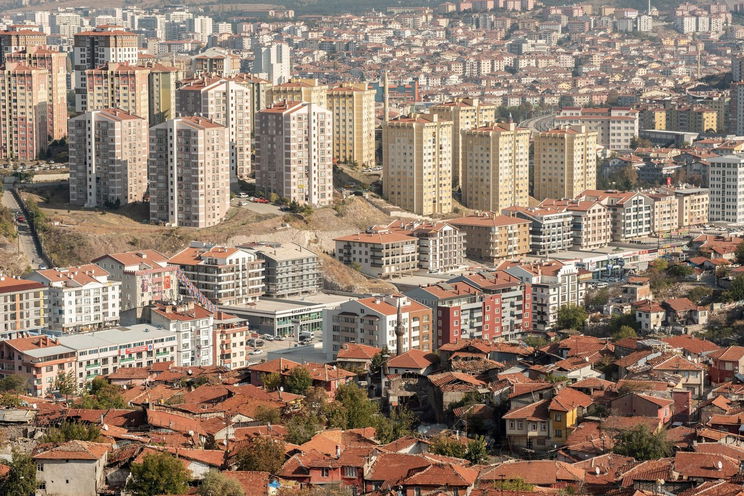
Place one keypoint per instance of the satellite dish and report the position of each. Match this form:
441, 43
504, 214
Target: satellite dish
281, 389
719, 465
596, 470
189, 372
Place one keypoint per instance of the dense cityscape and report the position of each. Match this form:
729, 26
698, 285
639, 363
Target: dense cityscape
470, 248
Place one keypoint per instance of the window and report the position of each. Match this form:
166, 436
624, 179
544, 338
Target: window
350, 472
558, 417
511, 424
324, 472
558, 433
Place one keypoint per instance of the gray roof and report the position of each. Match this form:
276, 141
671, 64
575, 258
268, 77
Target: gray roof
116, 336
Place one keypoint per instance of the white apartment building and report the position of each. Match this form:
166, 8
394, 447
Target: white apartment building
107, 166
189, 172
272, 62
631, 213
615, 126
554, 284
81, 298
103, 352
381, 254
225, 275
726, 184
372, 321
146, 276
550, 227
227, 103
194, 327
294, 150
96, 48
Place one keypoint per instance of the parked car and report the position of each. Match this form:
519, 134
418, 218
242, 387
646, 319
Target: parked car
21, 219
261, 200
267, 337
256, 352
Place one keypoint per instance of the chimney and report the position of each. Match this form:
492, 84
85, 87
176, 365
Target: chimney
338, 451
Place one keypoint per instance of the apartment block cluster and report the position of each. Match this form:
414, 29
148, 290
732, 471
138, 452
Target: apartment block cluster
135, 309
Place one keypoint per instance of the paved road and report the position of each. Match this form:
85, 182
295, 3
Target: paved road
259, 208
25, 241
541, 123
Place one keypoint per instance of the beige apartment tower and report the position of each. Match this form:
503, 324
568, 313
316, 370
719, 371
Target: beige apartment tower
23, 111
465, 113
417, 163
495, 167
121, 86
189, 172
353, 109
108, 166
18, 38
294, 152
161, 86
228, 103
300, 90
97, 47
55, 63
565, 162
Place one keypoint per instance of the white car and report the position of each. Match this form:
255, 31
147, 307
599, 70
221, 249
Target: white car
256, 352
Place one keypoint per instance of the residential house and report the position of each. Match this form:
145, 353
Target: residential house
644, 405
411, 362
727, 362
74, 468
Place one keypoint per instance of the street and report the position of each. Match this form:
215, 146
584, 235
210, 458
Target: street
25, 240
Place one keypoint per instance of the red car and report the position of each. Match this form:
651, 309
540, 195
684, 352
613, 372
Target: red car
261, 200
21, 219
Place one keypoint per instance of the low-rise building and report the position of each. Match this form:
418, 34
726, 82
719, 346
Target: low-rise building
550, 228
74, 468
591, 222
226, 276
727, 362
380, 254
441, 246
145, 276
38, 360
554, 284
24, 306
631, 212
80, 298
285, 318
289, 269
372, 321
494, 237
230, 341
194, 326
489, 305
664, 211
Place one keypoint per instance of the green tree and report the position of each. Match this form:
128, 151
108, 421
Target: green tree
446, 446
272, 381
698, 294
12, 384
624, 332
378, 361
65, 384
298, 381
476, 451
679, 271
514, 485
10, 400
218, 484
536, 341
69, 431
642, 444
735, 292
395, 426
159, 473
740, 253
571, 317
355, 407
268, 415
102, 395
302, 427
596, 300
262, 453
21, 480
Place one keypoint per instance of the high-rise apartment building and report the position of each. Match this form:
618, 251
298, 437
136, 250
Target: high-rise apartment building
227, 103
293, 152
24, 308
300, 90
55, 64
272, 62
121, 86
98, 47
189, 172
726, 184
565, 162
736, 109
417, 163
260, 90
495, 167
161, 86
19, 38
353, 109
465, 113
107, 162
615, 126
23, 111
